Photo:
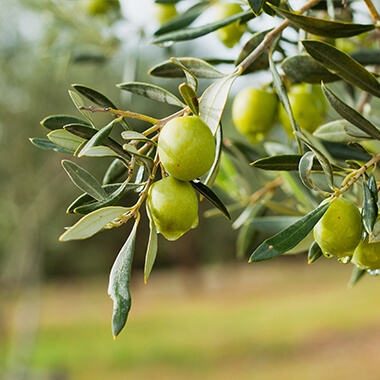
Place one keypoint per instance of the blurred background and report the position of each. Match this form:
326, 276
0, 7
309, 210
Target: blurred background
203, 314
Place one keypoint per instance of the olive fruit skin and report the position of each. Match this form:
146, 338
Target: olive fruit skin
308, 106
254, 112
100, 7
338, 232
367, 255
186, 147
164, 12
230, 34
173, 206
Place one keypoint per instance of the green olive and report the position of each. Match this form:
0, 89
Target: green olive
367, 255
186, 147
338, 232
173, 206
308, 107
254, 113
164, 12
230, 34
100, 7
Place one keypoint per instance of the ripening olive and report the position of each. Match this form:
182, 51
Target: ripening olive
230, 34
367, 255
338, 232
308, 107
186, 147
173, 206
254, 113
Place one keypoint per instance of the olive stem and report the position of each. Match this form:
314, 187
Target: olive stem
372, 9
355, 175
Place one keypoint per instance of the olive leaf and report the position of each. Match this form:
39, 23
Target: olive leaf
369, 208
343, 65
351, 115
151, 91
92, 223
199, 67
195, 32
120, 278
49, 145
213, 101
211, 196
322, 27
289, 237
151, 251
314, 253
59, 121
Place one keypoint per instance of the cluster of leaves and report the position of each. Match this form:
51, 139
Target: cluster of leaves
301, 172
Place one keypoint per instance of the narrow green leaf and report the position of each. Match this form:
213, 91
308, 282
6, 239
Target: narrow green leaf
48, 145
118, 287
338, 131
343, 65
192, 33
99, 99
372, 186
151, 91
87, 133
356, 275
211, 196
369, 209
59, 121
94, 96
256, 5
98, 138
325, 163
99, 151
285, 162
314, 253
84, 198
92, 223
288, 238
65, 139
304, 169
190, 97
351, 114
214, 100
374, 237
133, 135
111, 199
84, 180
323, 27
213, 172
282, 94
151, 251
184, 19
191, 78
199, 67
116, 170
78, 101
303, 68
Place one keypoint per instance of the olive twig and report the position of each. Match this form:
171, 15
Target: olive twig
355, 175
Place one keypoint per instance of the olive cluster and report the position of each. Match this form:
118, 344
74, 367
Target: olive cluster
186, 149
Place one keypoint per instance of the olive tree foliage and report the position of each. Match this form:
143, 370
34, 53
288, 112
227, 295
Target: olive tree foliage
297, 175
